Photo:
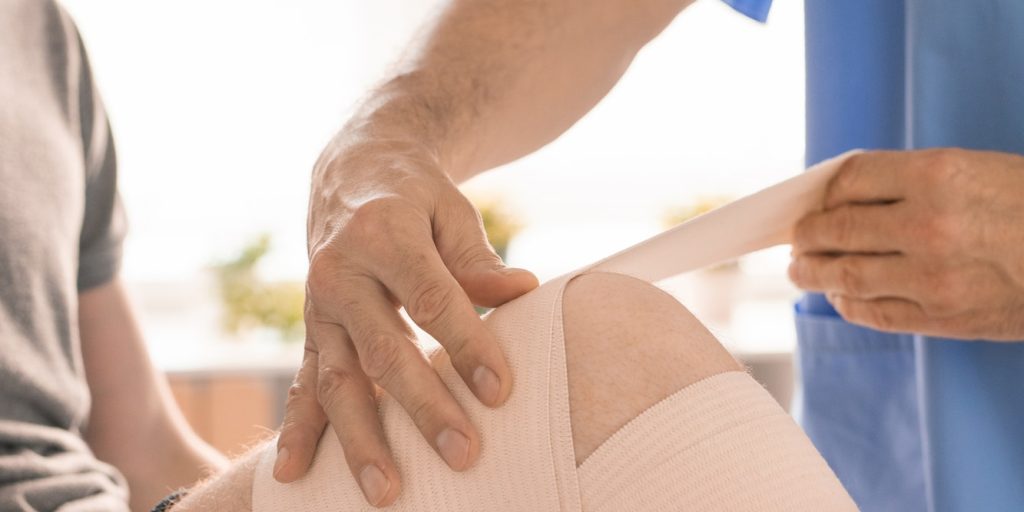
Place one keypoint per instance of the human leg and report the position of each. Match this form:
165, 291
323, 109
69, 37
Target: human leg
628, 346
659, 415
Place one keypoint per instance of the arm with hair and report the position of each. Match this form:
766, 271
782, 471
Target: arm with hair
489, 82
484, 83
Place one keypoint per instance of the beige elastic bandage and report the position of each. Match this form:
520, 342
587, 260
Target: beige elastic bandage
720, 444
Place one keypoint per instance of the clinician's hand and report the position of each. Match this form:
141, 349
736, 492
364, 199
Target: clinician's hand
388, 228
929, 241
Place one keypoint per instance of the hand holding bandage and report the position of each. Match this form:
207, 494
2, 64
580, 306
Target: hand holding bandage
921, 241
388, 229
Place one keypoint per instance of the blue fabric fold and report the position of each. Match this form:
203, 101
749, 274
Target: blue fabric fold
913, 74
858, 404
754, 9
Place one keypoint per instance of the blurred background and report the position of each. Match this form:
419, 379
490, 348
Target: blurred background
221, 108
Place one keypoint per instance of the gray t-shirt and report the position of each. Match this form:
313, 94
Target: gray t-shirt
61, 228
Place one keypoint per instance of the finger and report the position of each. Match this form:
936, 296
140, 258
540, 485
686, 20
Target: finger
875, 228
304, 422
855, 276
463, 246
435, 301
869, 177
388, 355
348, 399
884, 314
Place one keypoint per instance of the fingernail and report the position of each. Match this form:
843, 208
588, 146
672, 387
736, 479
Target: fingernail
513, 271
282, 460
454, 448
374, 484
487, 385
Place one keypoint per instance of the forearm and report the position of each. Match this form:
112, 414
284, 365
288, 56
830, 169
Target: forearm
488, 82
168, 462
134, 422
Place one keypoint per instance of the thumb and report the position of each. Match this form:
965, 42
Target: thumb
493, 287
462, 243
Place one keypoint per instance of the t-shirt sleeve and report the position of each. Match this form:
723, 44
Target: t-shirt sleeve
103, 221
755, 9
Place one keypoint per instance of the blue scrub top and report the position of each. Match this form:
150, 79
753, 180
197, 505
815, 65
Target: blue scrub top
912, 422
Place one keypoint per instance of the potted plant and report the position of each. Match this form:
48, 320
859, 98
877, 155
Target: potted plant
250, 303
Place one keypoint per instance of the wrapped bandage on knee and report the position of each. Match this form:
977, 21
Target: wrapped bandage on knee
720, 444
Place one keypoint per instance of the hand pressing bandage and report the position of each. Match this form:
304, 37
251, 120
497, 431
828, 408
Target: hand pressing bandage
613, 373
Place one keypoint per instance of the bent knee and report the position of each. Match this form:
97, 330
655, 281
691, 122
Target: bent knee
628, 345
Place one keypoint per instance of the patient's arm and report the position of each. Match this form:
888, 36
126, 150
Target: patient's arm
134, 423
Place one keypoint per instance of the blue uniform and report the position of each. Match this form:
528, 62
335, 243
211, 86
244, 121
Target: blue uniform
912, 422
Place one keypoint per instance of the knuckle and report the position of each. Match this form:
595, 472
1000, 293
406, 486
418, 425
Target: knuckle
298, 427
454, 203
423, 412
299, 392
373, 222
846, 177
873, 315
308, 315
880, 317
475, 253
865, 313
851, 278
802, 234
331, 383
293, 433
806, 273
460, 350
349, 306
847, 311
322, 278
946, 160
381, 359
941, 166
429, 303
796, 273
843, 226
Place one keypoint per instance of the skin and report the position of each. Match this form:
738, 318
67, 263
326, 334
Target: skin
134, 423
486, 83
921, 241
628, 345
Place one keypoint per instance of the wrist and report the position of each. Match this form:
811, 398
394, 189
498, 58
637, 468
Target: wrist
355, 169
412, 117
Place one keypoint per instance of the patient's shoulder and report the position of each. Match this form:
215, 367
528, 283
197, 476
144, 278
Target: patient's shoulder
628, 345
